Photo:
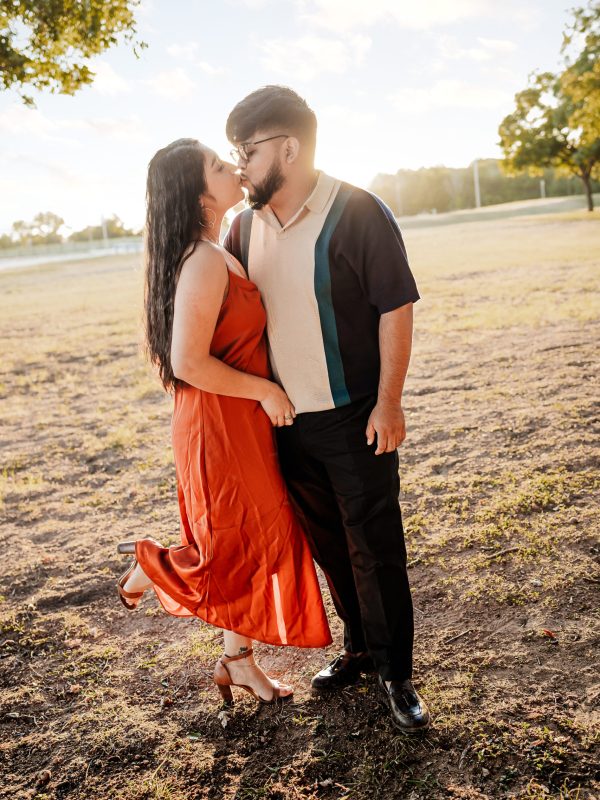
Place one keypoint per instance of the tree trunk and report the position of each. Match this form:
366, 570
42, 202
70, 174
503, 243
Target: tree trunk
588, 190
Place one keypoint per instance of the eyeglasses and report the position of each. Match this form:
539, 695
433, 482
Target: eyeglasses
240, 153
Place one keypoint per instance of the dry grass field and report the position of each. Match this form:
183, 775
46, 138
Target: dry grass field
500, 476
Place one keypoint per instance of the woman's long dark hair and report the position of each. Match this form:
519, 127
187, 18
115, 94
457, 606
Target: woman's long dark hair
176, 179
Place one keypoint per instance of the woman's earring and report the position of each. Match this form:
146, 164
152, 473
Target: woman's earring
211, 224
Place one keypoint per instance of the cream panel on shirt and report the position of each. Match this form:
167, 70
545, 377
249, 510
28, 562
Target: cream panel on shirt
281, 263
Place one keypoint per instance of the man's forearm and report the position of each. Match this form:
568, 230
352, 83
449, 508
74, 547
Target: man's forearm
395, 343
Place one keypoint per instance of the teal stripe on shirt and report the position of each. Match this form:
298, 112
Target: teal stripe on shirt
335, 367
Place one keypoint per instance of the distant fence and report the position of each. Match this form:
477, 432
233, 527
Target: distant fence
30, 255
125, 244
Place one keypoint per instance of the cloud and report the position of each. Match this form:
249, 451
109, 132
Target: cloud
448, 94
344, 15
347, 119
497, 45
253, 4
21, 122
186, 52
107, 81
174, 84
527, 17
122, 129
310, 56
485, 49
189, 52
209, 69
56, 170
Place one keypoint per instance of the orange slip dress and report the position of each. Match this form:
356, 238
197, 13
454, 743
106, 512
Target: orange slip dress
244, 564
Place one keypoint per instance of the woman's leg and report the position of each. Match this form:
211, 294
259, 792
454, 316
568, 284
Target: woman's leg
235, 644
138, 581
246, 670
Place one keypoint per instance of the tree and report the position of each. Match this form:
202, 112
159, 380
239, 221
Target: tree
114, 230
42, 230
551, 125
581, 79
44, 43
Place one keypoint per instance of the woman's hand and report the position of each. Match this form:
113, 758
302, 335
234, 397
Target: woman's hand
278, 406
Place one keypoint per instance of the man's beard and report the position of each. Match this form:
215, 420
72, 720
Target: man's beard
259, 195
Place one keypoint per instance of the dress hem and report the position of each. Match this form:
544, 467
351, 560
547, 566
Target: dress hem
198, 615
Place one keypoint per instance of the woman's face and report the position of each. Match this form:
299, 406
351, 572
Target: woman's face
223, 186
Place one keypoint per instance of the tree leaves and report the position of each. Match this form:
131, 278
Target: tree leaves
556, 122
44, 43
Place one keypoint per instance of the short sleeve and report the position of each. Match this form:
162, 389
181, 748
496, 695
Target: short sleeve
368, 237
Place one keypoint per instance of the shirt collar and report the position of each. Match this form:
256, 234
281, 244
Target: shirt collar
321, 193
315, 202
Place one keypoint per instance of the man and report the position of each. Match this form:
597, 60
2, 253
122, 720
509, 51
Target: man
329, 261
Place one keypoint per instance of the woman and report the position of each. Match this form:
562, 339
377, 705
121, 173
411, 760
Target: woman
243, 564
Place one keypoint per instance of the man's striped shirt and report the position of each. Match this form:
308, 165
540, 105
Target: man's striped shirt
325, 279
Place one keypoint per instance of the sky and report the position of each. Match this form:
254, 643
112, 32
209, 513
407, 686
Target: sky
395, 84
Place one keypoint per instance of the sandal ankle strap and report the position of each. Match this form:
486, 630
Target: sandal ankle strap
225, 659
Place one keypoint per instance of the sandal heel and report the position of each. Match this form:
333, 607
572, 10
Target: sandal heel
126, 548
226, 693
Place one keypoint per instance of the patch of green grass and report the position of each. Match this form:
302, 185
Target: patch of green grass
252, 793
14, 482
86, 669
12, 623
537, 791
203, 645
157, 788
543, 749
122, 438
537, 491
496, 587
147, 663
458, 505
449, 697
416, 524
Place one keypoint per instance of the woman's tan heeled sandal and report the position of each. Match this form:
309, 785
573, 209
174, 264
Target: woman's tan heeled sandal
224, 682
125, 596
128, 548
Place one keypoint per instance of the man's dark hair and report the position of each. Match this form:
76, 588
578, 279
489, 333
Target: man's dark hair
269, 108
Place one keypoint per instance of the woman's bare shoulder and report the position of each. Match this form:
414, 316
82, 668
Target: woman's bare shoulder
205, 265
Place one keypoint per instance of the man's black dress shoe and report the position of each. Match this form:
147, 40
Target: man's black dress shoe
409, 711
344, 670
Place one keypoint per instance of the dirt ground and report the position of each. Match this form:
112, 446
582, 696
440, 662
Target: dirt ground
500, 476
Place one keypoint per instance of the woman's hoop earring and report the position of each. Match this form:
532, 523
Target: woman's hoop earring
210, 224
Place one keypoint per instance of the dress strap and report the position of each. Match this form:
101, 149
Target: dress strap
233, 264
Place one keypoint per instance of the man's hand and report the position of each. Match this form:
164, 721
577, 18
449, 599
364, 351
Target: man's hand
387, 422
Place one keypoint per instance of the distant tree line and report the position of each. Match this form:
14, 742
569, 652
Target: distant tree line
439, 189
45, 229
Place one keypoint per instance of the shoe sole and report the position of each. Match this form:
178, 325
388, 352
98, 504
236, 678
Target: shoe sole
408, 731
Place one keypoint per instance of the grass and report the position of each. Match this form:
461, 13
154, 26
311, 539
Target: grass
499, 488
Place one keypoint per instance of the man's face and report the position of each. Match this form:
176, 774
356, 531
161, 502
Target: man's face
261, 171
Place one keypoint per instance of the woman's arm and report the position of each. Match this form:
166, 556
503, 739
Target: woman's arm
198, 299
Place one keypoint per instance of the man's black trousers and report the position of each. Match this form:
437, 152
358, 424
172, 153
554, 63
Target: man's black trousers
348, 500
